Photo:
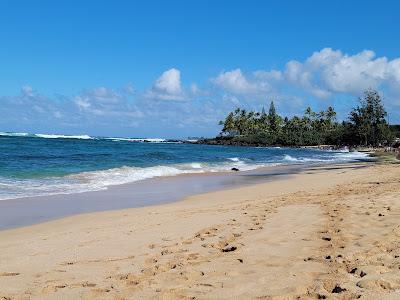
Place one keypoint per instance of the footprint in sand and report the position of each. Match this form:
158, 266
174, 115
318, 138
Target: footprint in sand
9, 274
68, 263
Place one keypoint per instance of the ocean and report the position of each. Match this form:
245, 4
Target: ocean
47, 164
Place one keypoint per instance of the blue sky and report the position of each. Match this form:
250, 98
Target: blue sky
174, 68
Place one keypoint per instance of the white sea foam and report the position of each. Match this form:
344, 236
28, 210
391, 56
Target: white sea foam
140, 140
118, 139
61, 136
125, 174
102, 179
83, 137
355, 155
235, 159
86, 181
46, 136
196, 165
14, 134
287, 157
86, 137
344, 150
98, 180
337, 156
115, 176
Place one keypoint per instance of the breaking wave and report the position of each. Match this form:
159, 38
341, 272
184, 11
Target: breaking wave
61, 136
100, 180
83, 137
72, 165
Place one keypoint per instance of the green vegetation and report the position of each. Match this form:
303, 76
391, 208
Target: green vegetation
395, 129
366, 126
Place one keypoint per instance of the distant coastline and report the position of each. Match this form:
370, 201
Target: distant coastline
232, 141
366, 126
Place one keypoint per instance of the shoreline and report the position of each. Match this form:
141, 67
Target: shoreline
298, 236
26, 211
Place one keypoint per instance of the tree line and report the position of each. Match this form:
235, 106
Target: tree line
366, 125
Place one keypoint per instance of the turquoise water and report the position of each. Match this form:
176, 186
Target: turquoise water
33, 165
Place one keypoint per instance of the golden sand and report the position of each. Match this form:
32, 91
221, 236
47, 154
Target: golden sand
329, 232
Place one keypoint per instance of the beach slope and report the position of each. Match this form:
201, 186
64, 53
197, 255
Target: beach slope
329, 232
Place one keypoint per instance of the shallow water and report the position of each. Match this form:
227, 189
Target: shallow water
27, 211
42, 164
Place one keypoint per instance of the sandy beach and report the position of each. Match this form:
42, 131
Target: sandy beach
328, 233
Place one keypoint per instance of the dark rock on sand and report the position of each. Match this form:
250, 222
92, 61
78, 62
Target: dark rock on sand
353, 271
229, 249
337, 289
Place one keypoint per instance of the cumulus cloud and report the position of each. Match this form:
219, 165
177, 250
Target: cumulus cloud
325, 74
268, 75
329, 75
167, 87
103, 101
296, 74
234, 81
103, 95
31, 108
169, 82
330, 71
257, 84
82, 103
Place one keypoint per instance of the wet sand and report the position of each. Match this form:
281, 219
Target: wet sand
325, 233
32, 210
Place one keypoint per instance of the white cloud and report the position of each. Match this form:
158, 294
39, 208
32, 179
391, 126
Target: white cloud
268, 75
27, 91
169, 82
103, 95
324, 74
327, 74
255, 85
394, 70
330, 71
231, 100
297, 75
82, 103
235, 82
130, 89
167, 87
102, 101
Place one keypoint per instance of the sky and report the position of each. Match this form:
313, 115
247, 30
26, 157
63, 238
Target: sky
175, 68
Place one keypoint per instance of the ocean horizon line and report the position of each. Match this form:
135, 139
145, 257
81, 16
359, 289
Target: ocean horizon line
92, 137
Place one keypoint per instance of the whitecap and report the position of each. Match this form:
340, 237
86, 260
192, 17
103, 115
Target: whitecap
61, 136
14, 134
235, 159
